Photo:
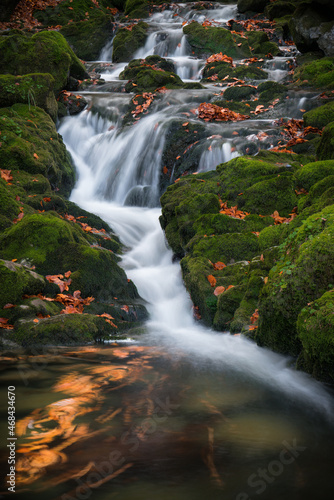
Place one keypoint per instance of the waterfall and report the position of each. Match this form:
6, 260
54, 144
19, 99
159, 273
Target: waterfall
118, 178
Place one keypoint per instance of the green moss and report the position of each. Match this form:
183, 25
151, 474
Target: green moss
34, 89
266, 196
43, 52
242, 315
87, 38
318, 73
127, 42
9, 206
208, 40
319, 117
271, 90
303, 274
315, 328
136, 9
271, 236
228, 302
239, 93
314, 172
279, 9
325, 149
228, 247
17, 280
64, 329
30, 143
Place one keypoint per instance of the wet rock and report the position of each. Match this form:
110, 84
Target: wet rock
325, 149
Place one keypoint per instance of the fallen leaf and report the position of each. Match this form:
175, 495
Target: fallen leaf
211, 279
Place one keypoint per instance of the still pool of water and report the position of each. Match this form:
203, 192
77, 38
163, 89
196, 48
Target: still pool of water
144, 422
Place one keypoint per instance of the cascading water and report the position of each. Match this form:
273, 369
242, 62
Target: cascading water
183, 412
118, 172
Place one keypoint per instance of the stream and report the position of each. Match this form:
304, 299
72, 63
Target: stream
181, 411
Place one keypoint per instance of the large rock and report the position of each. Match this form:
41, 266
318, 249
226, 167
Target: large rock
205, 41
126, 42
36, 89
312, 29
33, 145
43, 52
17, 280
252, 5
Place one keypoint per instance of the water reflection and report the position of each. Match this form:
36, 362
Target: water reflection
127, 421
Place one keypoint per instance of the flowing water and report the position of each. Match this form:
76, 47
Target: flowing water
180, 411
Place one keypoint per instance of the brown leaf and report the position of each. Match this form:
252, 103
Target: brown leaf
211, 279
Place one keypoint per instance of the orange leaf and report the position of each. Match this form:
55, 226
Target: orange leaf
36, 320
125, 308
219, 265
46, 199
211, 279
165, 170
36, 156
6, 175
218, 290
185, 124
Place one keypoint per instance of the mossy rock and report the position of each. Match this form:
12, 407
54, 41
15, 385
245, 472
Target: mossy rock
211, 40
56, 246
43, 52
230, 247
9, 206
36, 89
270, 90
271, 236
315, 327
17, 280
260, 44
266, 196
303, 274
127, 42
239, 93
87, 38
62, 329
136, 9
149, 79
195, 272
31, 143
325, 149
318, 74
319, 117
227, 303
242, 315
252, 5
243, 72
85, 25
279, 9
314, 172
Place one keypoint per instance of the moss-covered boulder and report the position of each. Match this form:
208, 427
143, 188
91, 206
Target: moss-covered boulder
136, 9
279, 9
31, 143
261, 45
206, 40
86, 25
54, 246
126, 42
62, 329
149, 74
311, 173
318, 74
319, 117
36, 89
43, 52
315, 327
303, 274
17, 280
325, 149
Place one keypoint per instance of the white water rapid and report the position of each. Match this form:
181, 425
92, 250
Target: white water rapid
116, 168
